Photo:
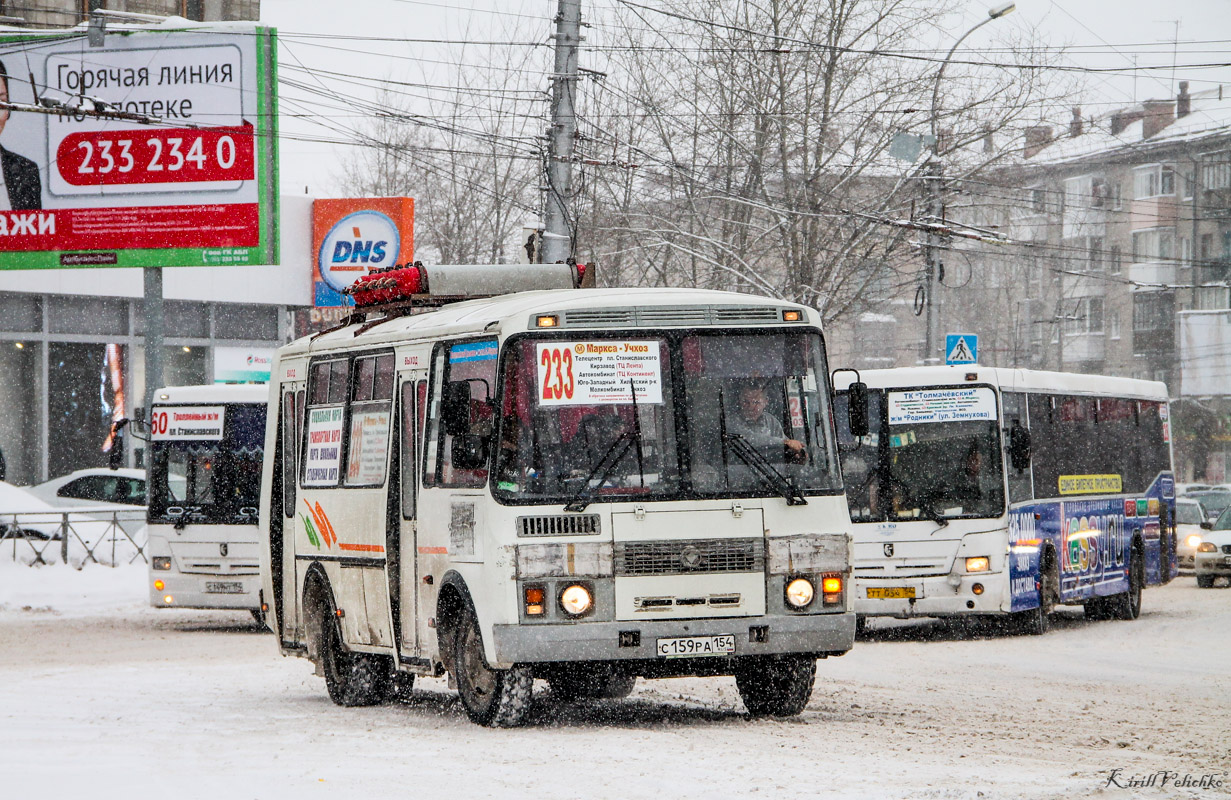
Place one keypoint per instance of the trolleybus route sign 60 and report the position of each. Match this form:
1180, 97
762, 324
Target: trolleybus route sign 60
178, 423
603, 372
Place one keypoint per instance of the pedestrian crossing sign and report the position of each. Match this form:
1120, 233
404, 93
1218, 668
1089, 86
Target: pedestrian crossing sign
961, 348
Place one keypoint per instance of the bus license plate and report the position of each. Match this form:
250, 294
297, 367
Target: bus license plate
224, 587
690, 646
891, 593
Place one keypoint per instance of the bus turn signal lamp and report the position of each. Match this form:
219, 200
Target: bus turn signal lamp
534, 601
831, 589
977, 564
1207, 547
159, 586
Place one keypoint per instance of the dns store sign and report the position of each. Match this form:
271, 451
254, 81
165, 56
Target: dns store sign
354, 237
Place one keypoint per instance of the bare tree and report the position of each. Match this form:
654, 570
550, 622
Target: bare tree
761, 133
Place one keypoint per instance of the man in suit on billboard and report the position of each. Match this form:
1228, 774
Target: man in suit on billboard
23, 188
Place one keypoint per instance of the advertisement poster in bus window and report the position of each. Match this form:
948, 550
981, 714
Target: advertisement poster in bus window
369, 441
187, 423
942, 405
604, 372
324, 455
187, 178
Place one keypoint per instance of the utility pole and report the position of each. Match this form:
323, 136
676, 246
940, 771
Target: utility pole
933, 265
558, 227
933, 182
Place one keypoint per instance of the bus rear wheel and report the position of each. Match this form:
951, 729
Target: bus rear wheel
1127, 605
496, 698
776, 686
352, 679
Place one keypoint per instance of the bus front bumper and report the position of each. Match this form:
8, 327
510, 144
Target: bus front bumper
934, 596
205, 591
815, 634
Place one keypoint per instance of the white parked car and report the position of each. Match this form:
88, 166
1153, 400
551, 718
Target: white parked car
1213, 557
1182, 489
94, 487
101, 493
1189, 514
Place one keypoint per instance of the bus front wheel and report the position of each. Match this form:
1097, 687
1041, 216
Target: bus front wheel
776, 686
1037, 621
496, 698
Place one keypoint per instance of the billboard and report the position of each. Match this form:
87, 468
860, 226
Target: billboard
196, 187
352, 237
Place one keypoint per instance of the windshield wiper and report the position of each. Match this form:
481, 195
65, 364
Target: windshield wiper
767, 471
600, 471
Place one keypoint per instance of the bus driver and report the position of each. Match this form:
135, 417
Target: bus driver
760, 428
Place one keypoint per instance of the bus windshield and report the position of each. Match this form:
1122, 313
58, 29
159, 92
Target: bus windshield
672, 415
210, 481
929, 454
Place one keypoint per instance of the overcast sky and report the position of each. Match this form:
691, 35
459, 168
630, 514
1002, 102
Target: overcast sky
1102, 34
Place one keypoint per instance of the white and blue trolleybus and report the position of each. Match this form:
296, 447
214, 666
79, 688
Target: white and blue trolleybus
983, 491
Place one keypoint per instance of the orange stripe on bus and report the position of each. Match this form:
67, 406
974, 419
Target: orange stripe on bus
443, 551
367, 548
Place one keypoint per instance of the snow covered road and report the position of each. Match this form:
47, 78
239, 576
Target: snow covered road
101, 697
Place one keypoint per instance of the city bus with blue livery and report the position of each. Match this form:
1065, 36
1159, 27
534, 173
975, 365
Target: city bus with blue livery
1003, 492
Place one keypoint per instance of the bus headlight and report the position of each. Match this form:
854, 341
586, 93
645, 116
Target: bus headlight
576, 600
1193, 540
977, 564
160, 562
800, 592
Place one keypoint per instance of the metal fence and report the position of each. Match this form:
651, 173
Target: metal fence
76, 537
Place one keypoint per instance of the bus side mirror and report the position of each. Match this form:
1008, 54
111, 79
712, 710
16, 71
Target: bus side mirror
857, 408
1208, 525
469, 451
1019, 446
115, 457
138, 420
455, 408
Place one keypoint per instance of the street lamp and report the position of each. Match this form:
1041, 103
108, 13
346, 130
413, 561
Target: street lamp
934, 175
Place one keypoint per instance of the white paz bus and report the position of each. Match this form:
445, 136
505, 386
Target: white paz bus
206, 447
983, 491
568, 484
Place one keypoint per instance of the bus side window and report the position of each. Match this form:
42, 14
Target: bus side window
289, 448
473, 364
1015, 415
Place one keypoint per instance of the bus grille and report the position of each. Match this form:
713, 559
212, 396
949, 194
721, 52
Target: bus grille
689, 556
558, 525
